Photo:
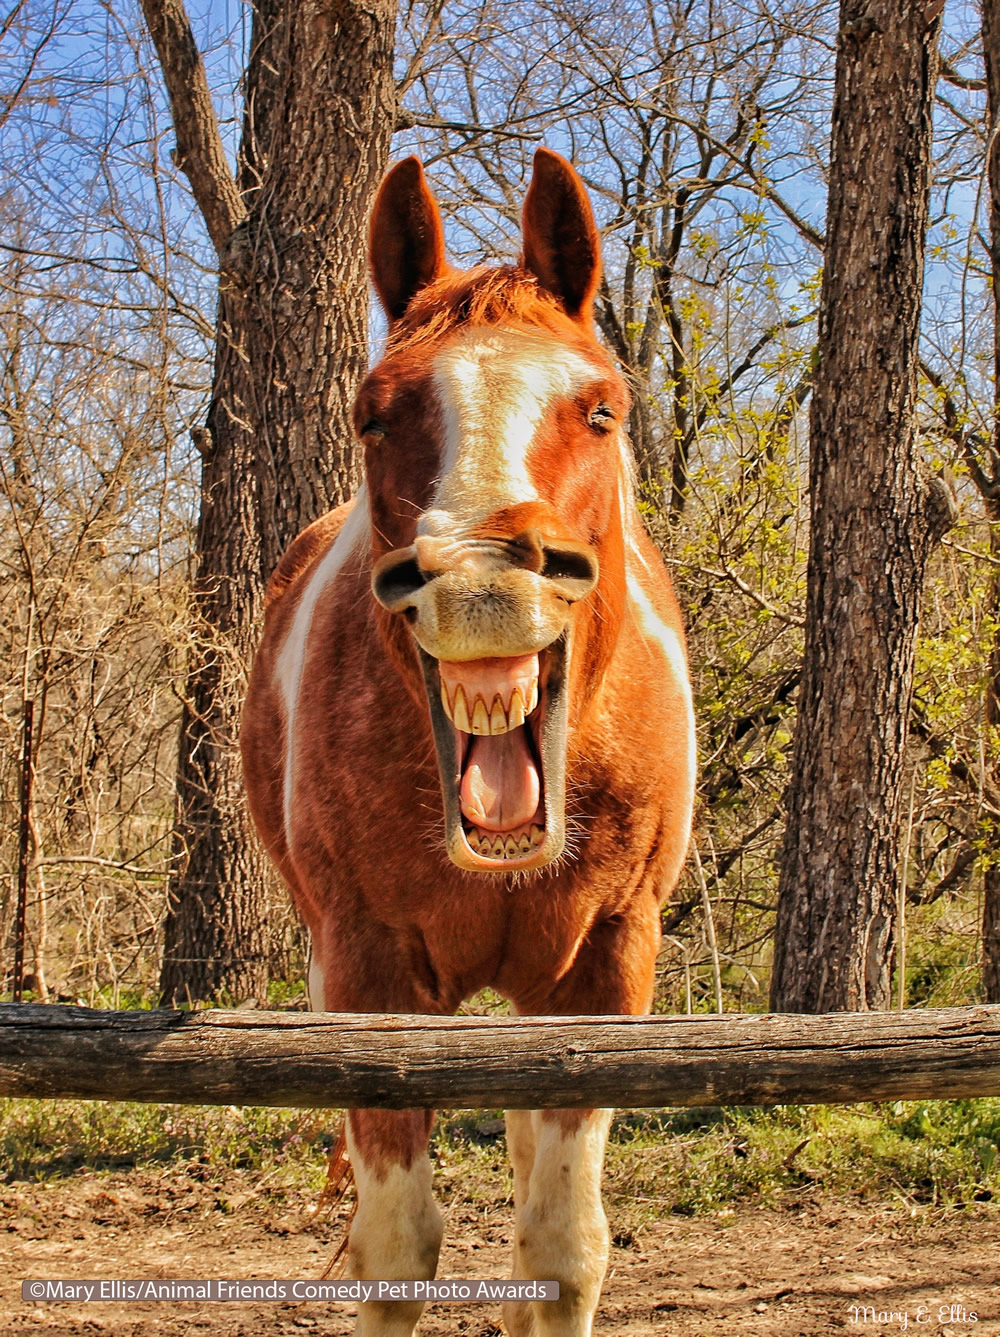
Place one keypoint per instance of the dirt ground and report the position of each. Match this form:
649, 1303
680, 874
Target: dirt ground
813, 1268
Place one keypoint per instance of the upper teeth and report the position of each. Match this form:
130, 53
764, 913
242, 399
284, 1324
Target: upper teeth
494, 717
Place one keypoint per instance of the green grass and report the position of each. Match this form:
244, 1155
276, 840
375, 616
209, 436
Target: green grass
908, 1153
688, 1162
44, 1139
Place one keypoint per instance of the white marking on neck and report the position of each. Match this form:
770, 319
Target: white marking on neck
495, 388
654, 629
292, 657
631, 520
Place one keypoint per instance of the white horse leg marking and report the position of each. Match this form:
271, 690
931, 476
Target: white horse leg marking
395, 1236
521, 1149
561, 1230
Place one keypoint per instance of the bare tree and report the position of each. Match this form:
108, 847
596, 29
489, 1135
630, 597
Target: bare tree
702, 131
667, 110
988, 480
874, 519
291, 346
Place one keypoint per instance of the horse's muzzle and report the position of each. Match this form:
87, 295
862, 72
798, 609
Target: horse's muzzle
473, 598
491, 618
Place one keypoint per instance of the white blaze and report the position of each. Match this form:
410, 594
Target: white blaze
495, 387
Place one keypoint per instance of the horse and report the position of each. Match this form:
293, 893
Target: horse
468, 739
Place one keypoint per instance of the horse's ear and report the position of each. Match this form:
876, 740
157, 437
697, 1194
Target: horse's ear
406, 240
562, 246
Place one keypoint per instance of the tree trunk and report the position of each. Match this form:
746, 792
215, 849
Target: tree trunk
291, 348
874, 518
990, 486
991, 878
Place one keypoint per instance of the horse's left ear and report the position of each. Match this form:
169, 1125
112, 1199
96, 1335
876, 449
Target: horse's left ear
562, 246
406, 240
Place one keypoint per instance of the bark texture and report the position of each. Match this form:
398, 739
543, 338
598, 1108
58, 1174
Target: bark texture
364, 1060
991, 878
277, 451
989, 485
874, 518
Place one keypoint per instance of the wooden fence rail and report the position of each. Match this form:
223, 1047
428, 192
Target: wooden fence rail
318, 1060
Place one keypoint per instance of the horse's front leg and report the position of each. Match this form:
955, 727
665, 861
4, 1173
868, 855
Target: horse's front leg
396, 1232
397, 1228
561, 1231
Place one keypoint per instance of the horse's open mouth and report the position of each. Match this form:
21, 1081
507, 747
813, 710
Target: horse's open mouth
500, 731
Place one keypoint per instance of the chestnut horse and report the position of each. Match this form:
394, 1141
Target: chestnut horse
468, 741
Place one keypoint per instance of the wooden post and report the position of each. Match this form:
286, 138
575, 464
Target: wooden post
323, 1060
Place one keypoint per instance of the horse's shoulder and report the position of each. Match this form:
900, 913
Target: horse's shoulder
310, 544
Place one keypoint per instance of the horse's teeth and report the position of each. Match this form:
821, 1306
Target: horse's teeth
460, 712
515, 711
496, 719
499, 846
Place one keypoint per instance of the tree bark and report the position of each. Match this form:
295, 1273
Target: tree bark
277, 452
990, 487
991, 877
874, 518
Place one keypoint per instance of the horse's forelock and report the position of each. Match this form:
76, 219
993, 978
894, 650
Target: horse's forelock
507, 296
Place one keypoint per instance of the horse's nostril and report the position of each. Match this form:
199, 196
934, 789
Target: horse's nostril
396, 578
528, 550
571, 567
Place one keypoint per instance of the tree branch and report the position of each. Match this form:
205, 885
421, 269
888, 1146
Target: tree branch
199, 153
987, 484
953, 77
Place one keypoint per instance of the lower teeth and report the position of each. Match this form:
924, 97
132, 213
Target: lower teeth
505, 847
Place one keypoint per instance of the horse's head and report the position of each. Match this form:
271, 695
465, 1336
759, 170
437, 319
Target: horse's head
497, 476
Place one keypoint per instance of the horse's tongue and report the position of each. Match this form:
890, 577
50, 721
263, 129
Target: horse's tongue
500, 785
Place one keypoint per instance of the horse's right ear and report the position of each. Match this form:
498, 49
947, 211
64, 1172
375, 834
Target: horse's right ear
562, 246
406, 240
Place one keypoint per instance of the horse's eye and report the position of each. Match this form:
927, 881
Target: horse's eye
373, 428
601, 415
